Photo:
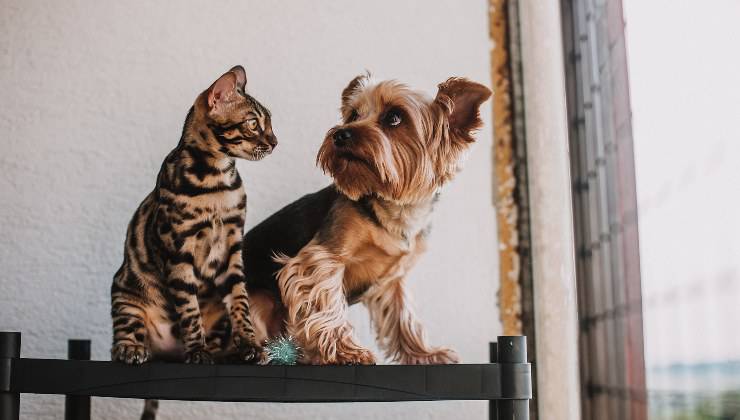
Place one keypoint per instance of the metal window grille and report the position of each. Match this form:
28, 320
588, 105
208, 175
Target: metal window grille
604, 204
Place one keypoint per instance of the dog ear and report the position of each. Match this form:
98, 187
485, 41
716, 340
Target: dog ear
461, 98
354, 85
224, 89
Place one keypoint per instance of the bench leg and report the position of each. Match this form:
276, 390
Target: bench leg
512, 349
10, 402
493, 404
77, 407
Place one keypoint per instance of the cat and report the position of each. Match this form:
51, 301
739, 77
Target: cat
180, 293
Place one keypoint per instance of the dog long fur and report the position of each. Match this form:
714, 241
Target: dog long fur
357, 239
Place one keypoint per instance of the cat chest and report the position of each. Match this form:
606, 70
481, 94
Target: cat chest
212, 244
226, 200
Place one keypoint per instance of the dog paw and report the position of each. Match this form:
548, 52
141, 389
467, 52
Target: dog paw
199, 357
131, 354
263, 359
438, 356
358, 356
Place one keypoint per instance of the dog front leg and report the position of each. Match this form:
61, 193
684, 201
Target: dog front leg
398, 331
311, 284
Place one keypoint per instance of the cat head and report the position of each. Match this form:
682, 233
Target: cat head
240, 124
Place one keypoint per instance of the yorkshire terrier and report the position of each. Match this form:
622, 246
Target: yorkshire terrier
356, 240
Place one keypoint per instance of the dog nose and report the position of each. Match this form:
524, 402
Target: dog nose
342, 137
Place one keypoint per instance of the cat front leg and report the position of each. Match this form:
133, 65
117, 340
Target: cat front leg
129, 323
233, 287
183, 286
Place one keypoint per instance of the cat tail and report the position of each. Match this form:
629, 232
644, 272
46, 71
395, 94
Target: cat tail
150, 410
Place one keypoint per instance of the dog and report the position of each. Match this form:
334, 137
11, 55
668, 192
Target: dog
356, 240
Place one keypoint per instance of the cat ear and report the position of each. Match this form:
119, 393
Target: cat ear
241, 76
461, 99
226, 86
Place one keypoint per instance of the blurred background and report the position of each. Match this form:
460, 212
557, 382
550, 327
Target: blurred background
597, 213
653, 103
685, 108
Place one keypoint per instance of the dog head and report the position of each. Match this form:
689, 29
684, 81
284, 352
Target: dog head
397, 144
242, 126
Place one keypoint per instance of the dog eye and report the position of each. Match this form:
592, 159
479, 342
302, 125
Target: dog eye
353, 116
252, 123
392, 118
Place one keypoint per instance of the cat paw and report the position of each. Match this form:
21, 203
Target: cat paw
199, 357
246, 349
251, 354
131, 354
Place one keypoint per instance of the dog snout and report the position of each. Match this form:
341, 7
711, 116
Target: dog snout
342, 137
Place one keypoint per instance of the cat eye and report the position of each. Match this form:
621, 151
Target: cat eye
252, 123
392, 118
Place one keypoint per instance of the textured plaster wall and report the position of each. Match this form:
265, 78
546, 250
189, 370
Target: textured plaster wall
553, 249
93, 97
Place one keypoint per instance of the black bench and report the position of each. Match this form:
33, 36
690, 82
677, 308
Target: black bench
506, 382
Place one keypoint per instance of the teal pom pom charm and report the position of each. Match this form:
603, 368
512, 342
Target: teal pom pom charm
282, 351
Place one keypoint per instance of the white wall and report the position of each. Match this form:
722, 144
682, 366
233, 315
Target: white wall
93, 95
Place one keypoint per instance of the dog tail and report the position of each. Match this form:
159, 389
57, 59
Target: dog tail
280, 258
150, 410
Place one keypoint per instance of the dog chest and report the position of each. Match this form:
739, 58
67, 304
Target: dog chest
380, 262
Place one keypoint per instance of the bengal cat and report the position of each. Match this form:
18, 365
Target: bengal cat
180, 293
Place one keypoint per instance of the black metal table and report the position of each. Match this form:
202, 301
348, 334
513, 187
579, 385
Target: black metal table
506, 383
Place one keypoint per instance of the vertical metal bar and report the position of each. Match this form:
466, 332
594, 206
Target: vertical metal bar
10, 348
77, 407
493, 404
512, 349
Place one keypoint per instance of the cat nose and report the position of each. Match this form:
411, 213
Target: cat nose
342, 137
272, 141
